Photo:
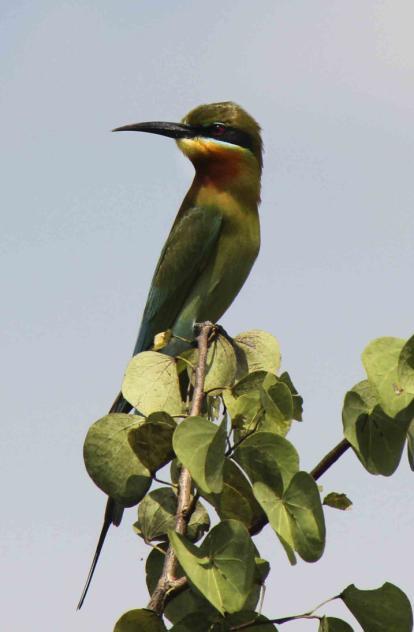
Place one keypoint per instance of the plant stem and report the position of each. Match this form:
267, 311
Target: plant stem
168, 582
330, 458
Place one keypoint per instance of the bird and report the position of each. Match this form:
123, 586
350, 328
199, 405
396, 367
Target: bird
213, 242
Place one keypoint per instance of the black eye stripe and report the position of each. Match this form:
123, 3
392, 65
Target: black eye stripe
227, 134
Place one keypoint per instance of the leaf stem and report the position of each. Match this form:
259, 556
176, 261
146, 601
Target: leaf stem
256, 624
160, 480
294, 617
168, 583
236, 444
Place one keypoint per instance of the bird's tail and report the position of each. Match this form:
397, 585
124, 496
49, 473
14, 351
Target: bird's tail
113, 511
110, 515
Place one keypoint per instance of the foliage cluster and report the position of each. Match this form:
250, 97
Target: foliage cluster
242, 466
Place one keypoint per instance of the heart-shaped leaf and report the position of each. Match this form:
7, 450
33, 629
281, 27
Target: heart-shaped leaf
377, 439
277, 403
380, 610
406, 366
200, 445
296, 398
246, 411
289, 498
151, 384
297, 517
269, 458
237, 501
221, 364
156, 516
152, 440
183, 603
381, 361
140, 621
263, 401
111, 462
243, 400
222, 569
332, 624
256, 351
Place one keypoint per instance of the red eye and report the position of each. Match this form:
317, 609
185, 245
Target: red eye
218, 129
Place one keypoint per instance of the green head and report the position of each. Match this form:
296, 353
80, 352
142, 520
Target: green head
217, 131
226, 123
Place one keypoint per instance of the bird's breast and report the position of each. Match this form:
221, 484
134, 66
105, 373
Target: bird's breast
236, 251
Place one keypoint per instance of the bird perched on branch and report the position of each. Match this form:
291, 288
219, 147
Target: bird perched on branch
212, 244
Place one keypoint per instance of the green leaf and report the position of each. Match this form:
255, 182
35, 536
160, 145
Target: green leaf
214, 406
256, 351
183, 603
199, 523
151, 384
277, 403
263, 401
111, 462
410, 445
156, 516
406, 366
246, 411
236, 501
222, 569
175, 471
243, 400
289, 498
247, 616
140, 621
262, 569
359, 402
249, 384
377, 439
298, 517
243, 396
381, 361
221, 364
380, 610
296, 398
337, 501
152, 441
332, 624
197, 621
268, 458
200, 445
368, 394
154, 566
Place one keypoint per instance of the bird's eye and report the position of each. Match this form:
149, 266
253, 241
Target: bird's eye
217, 129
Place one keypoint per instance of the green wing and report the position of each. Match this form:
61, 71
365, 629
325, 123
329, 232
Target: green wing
189, 247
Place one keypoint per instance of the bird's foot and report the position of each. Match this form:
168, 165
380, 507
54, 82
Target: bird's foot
216, 330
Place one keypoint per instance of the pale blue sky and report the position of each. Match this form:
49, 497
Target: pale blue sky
85, 214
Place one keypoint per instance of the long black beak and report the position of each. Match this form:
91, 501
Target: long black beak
172, 130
